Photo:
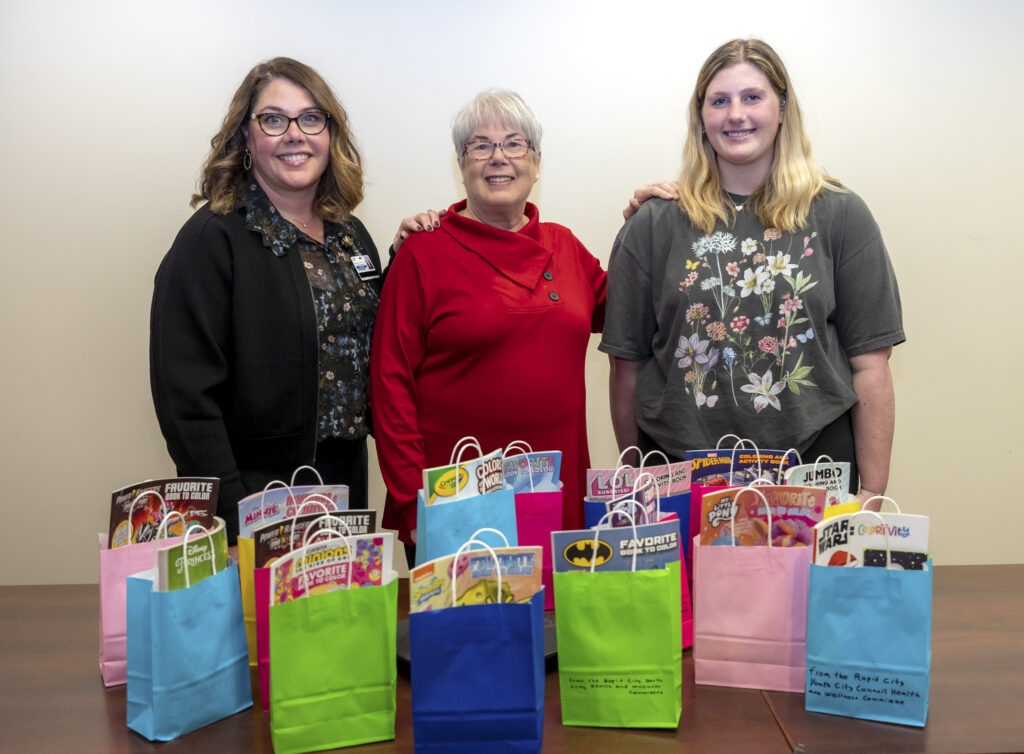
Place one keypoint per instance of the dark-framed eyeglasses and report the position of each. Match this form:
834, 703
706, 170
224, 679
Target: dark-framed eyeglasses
513, 149
310, 122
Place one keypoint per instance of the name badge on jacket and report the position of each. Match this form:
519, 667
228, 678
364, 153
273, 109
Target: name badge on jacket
364, 267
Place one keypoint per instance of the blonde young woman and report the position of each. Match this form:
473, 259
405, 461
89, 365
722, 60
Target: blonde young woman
762, 302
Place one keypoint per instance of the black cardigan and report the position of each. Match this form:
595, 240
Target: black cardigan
233, 353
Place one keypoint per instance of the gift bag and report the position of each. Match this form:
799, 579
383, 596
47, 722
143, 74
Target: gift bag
750, 613
869, 642
478, 676
261, 587
116, 565
537, 515
619, 647
187, 659
443, 527
333, 668
246, 552
246, 566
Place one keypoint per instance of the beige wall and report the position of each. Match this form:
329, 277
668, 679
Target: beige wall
108, 109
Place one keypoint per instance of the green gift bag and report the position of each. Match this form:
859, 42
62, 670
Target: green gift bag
333, 669
620, 647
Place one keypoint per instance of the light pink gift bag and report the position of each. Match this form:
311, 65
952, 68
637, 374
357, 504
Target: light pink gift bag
116, 565
750, 614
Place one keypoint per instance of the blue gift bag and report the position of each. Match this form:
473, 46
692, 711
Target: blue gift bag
680, 505
869, 634
188, 664
478, 677
443, 527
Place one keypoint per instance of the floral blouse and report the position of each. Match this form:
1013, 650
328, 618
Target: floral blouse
345, 309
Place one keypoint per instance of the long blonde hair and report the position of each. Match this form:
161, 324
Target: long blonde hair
784, 199
224, 177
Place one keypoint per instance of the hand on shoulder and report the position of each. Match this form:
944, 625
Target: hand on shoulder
420, 222
662, 190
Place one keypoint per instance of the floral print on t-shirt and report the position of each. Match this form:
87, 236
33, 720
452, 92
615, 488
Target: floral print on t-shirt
748, 329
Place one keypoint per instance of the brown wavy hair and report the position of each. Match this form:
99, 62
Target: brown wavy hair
224, 178
784, 199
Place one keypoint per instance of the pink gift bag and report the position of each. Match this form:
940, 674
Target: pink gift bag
116, 565
750, 614
537, 515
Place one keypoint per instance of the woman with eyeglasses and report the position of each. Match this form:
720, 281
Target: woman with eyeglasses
263, 308
484, 322
762, 302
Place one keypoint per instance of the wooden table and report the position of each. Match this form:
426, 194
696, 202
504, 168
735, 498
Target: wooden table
53, 700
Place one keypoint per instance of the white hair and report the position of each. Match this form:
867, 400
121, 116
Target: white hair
498, 105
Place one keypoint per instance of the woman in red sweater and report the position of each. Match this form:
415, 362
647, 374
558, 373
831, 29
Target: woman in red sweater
484, 323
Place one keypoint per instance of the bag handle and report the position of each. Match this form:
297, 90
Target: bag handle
643, 462
492, 531
295, 473
629, 498
325, 518
520, 445
657, 494
818, 460
517, 445
597, 535
718, 445
736, 505
622, 455
263, 497
314, 499
163, 510
455, 563
883, 498
458, 460
469, 441
184, 548
625, 504
300, 558
162, 531
885, 531
732, 463
799, 461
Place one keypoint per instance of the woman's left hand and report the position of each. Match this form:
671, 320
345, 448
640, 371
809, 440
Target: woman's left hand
415, 223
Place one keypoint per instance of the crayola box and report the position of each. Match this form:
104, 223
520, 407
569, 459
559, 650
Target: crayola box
794, 512
458, 481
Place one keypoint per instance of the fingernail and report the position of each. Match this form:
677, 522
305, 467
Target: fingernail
419, 227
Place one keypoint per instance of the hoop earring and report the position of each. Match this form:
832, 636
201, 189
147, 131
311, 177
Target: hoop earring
247, 160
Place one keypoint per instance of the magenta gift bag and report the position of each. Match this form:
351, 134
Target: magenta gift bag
261, 591
537, 515
750, 615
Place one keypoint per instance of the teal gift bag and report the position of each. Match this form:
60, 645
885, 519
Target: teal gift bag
443, 527
188, 665
869, 642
